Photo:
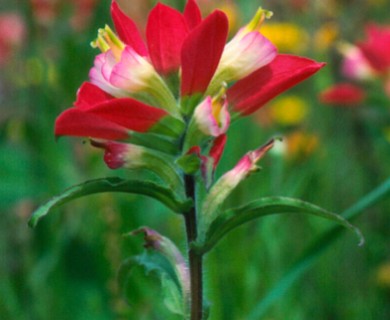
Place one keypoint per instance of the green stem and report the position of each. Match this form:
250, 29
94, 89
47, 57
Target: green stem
195, 259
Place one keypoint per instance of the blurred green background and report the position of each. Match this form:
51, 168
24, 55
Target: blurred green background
331, 156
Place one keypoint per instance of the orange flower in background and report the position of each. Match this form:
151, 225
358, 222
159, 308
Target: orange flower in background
301, 144
326, 35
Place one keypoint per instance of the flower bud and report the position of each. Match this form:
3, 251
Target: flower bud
163, 245
121, 71
228, 182
211, 119
248, 51
131, 156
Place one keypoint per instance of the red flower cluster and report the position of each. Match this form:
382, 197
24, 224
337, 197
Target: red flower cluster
367, 60
130, 88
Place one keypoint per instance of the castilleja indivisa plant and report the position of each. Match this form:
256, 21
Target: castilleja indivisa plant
165, 106
182, 88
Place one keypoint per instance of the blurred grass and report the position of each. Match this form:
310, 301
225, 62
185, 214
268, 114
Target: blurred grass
66, 267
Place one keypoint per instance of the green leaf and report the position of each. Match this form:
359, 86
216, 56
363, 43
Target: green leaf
189, 163
114, 184
157, 263
177, 302
172, 296
156, 142
233, 218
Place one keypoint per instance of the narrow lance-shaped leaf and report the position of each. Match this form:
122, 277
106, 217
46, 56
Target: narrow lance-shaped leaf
113, 184
233, 218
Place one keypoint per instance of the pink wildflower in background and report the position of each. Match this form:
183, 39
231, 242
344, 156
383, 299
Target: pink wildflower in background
12, 35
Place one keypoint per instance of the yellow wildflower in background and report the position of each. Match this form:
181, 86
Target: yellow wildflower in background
286, 36
383, 275
229, 7
288, 110
233, 14
386, 132
376, 3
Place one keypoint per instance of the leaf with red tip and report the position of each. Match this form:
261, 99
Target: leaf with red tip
79, 123
165, 32
192, 14
89, 94
128, 113
127, 30
284, 72
217, 149
201, 52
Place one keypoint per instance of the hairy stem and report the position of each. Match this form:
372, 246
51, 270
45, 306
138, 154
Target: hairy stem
195, 259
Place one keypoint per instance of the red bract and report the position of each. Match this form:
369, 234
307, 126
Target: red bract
127, 30
165, 33
217, 148
192, 14
166, 30
285, 71
97, 114
201, 53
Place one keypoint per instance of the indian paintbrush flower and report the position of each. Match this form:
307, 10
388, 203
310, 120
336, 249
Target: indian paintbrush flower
128, 92
127, 82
